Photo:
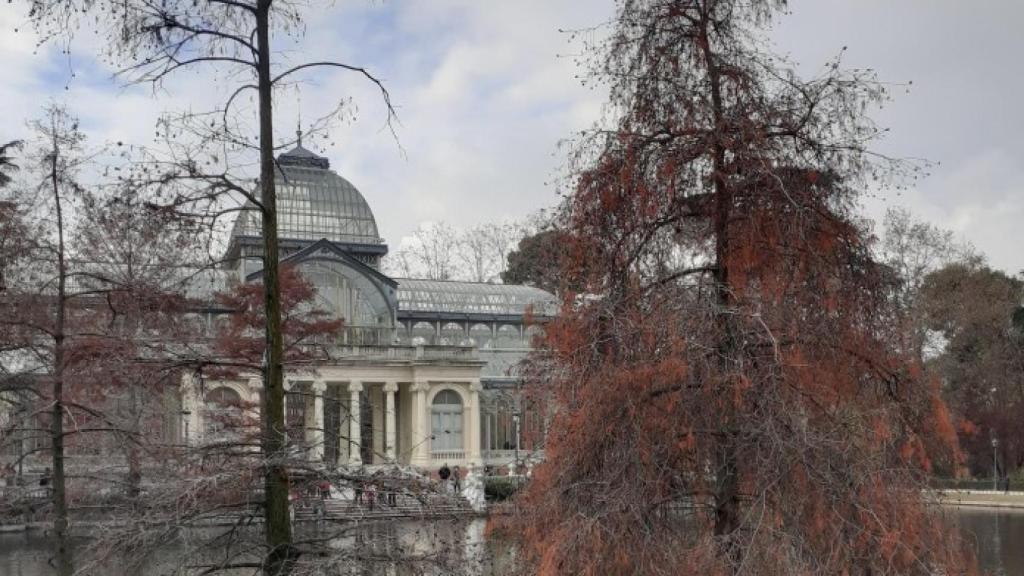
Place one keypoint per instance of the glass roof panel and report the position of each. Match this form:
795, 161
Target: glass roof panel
416, 295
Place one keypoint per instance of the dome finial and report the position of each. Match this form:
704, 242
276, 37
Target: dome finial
298, 123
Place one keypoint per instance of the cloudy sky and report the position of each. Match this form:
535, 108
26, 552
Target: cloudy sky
485, 91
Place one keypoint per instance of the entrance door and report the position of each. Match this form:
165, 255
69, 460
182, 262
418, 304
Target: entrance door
446, 422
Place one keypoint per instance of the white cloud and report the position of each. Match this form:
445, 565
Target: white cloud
486, 90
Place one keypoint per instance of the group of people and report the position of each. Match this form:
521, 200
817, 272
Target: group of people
369, 494
454, 475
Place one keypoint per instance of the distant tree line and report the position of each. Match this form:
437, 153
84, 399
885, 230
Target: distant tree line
965, 321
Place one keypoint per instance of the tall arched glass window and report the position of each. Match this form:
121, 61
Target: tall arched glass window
446, 421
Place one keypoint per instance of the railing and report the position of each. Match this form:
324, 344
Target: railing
508, 456
448, 455
8, 493
404, 352
446, 352
374, 352
966, 484
502, 456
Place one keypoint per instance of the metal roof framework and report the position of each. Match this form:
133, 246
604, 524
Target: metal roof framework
443, 298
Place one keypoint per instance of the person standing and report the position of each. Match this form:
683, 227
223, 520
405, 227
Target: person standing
457, 480
371, 493
444, 473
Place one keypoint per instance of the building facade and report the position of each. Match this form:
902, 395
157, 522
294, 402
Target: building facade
422, 372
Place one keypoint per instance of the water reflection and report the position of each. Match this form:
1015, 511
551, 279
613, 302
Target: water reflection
455, 547
997, 535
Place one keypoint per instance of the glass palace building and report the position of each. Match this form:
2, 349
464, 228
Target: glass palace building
422, 372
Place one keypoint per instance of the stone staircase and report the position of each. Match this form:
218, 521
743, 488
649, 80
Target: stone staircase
424, 505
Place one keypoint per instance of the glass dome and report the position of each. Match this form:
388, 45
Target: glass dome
313, 202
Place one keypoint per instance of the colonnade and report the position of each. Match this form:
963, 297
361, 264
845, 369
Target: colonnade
400, 418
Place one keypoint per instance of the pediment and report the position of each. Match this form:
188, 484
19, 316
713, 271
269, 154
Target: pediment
326, 250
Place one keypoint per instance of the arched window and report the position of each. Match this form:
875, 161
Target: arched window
531, 333
480, 334
223, 410
221, 325
446, 422
348, 294
422, 333
508, 337
452, 334
223, 397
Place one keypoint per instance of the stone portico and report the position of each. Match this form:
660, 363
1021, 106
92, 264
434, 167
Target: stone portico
413, 414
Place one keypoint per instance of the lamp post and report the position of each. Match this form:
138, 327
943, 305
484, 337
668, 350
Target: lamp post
995, 464
184, 420
515, 422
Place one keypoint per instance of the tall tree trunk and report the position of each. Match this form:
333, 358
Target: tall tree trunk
134, 486
727, 513
275, 480
60, 506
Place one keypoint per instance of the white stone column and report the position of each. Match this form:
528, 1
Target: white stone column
390, 438
473, 437
420, 425
191, 408
284, 407
316, 432
255, 387
355, 433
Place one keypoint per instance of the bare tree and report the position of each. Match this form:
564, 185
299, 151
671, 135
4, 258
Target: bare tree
36, 309
913, 249
440, 251
429, 253
483, 249
153, 41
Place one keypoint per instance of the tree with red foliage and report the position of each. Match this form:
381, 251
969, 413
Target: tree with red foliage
727, 395
306, 328
237, 348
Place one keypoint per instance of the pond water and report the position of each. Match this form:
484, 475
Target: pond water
444, 546
998, 536
458, 547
